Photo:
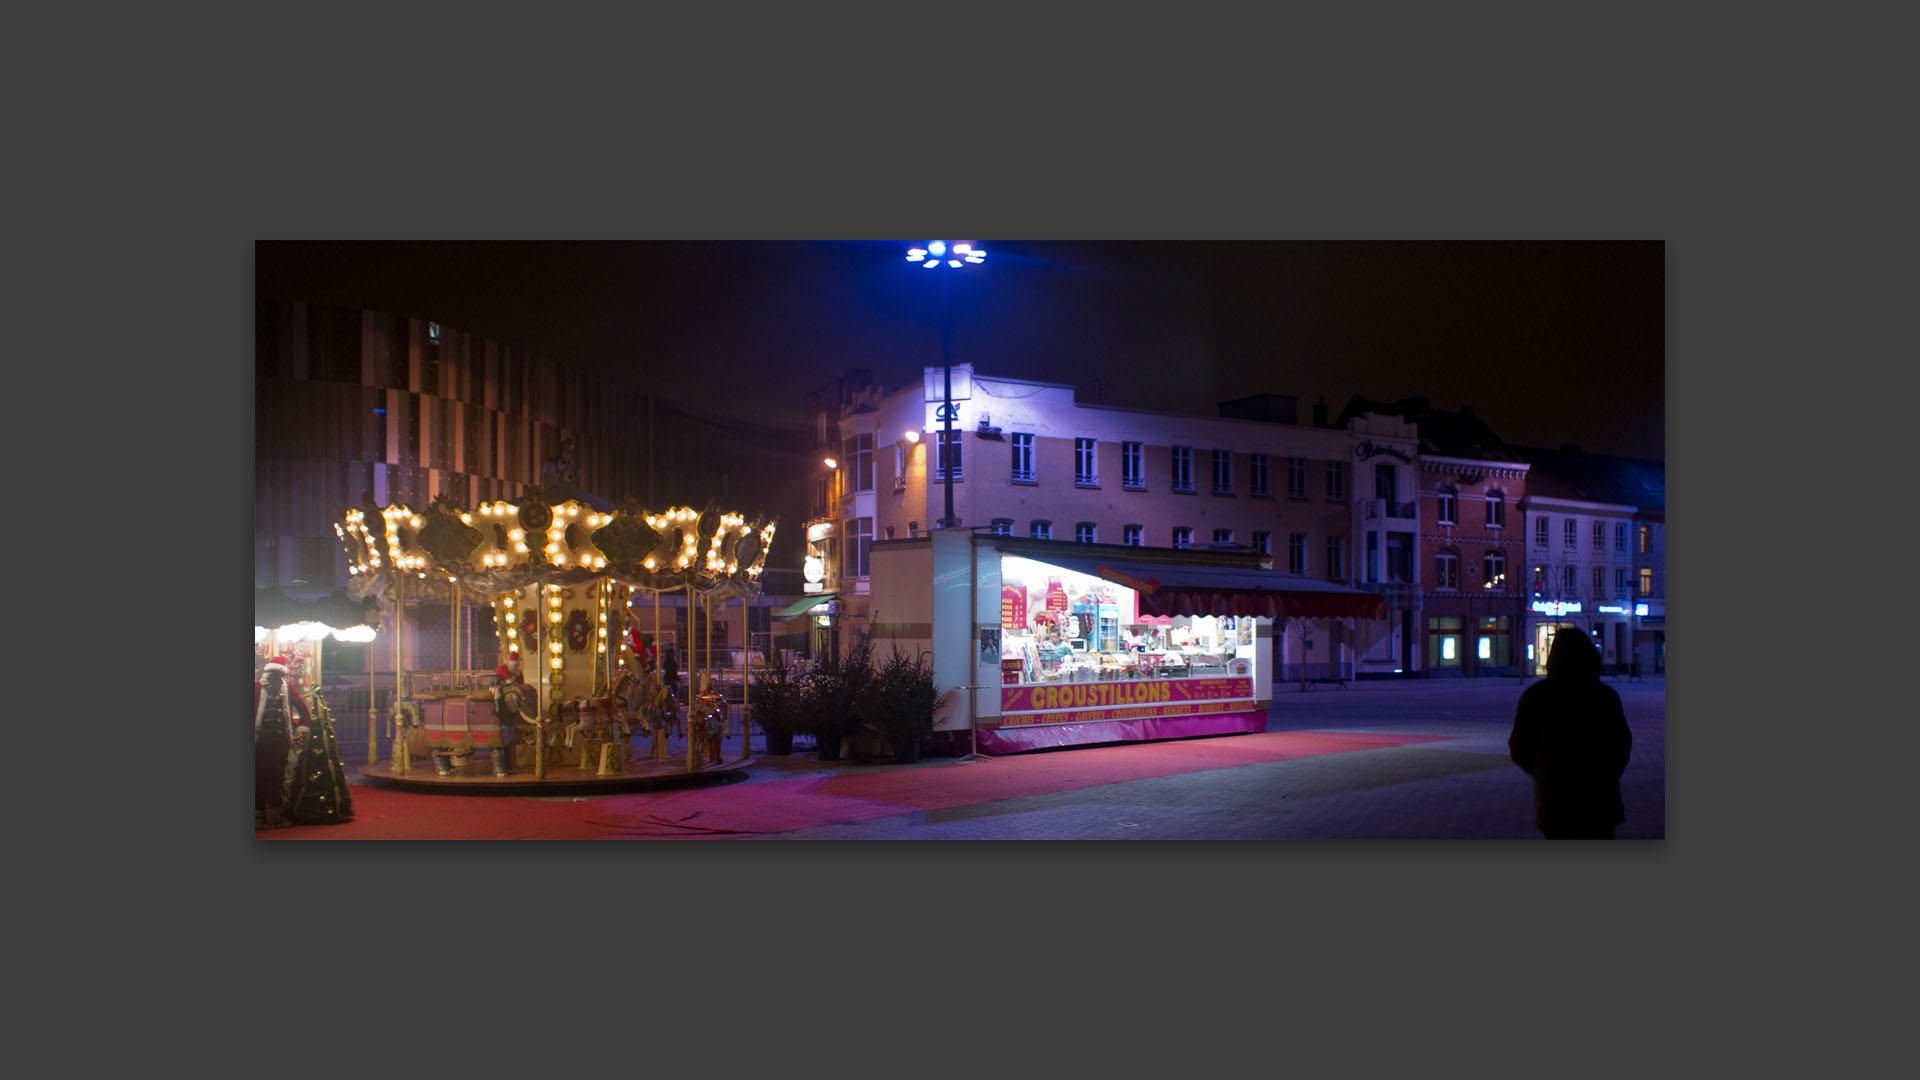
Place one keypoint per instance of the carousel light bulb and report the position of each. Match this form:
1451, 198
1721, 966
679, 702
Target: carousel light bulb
556, 663
516, 534
649, 563
554, 647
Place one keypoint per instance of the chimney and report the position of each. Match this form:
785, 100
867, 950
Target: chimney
1320, 413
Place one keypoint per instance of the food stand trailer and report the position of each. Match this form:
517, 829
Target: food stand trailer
1040, 643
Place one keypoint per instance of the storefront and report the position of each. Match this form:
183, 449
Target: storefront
1608, 625
1047, 643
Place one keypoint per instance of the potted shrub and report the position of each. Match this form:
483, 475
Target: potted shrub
899, 703
777, 706
829, 696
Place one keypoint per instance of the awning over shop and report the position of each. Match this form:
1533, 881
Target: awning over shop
804, 605
274, 608
1167, 589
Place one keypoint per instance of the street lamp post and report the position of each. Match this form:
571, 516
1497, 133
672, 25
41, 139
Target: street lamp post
936, 256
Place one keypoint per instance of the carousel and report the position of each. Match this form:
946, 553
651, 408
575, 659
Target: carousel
577, 682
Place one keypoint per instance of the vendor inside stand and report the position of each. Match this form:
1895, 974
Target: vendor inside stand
1059, 625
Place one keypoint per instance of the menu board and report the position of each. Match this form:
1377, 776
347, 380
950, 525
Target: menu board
1057, 597
1013, 607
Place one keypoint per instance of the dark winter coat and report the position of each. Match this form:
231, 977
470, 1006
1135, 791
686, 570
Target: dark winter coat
1570, 735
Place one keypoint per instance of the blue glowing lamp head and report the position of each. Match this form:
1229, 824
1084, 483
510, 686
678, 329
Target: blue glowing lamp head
936, 253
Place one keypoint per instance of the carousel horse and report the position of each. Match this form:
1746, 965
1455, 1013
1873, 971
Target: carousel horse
663, 708
711, 712
517, 707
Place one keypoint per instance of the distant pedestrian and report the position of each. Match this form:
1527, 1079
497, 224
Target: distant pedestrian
1571, 736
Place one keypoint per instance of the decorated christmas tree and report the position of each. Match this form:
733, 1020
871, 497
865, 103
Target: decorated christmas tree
317, 792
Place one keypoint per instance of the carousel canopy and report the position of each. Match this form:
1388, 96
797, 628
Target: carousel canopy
508, 545
1169, 589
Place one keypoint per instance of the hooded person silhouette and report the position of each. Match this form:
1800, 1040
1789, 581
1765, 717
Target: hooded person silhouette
1570, 735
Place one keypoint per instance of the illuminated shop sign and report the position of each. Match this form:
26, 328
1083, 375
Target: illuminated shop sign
1612, 609
1556, 607
1640, 610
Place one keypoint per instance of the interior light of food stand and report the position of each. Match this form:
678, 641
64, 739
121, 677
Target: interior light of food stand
937, 248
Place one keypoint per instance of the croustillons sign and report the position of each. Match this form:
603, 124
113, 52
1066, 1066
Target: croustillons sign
1081, 703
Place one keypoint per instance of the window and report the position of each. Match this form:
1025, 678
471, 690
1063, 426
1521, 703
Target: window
1040, 530
1336, 557
949, 455
1182, 537
1223, 536
1599, 582
1223, 472
1599, 536
858, 462
899, 467
1493, 571
1496, 508
1449, 506
1083, 458
1646, 539
1336, 479
1646, 581
1540, 530
1083, 532
1446, 570
1620, 583
1296, 553
1571, 530
1023, 458
1619, 536
1131, 475
1003, 526
859, 540
1297, 478
1183, 468
1130, 535
1263, 542
1258, 473
1569, 583
1539, 581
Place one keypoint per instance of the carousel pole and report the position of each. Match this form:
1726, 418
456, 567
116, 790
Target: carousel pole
713, 683
746, 682
453, 630
373, 714
540, 704
692, 746
399, 677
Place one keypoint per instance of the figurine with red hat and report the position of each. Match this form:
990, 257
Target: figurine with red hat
505, 675
278, 709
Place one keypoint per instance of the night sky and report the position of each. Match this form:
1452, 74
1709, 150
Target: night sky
1550, 343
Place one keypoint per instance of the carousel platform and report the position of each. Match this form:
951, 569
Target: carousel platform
476, 777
